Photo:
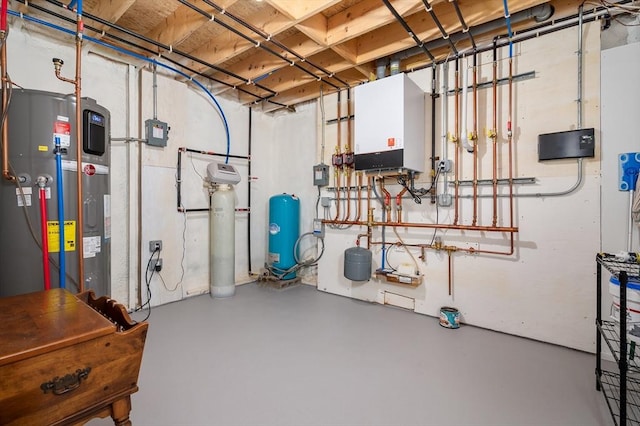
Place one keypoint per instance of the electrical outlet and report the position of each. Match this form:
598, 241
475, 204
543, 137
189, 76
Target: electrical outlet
444, 166
156, 264
155, 245
444, 200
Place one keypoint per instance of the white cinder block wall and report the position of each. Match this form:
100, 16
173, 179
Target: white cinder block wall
545, 291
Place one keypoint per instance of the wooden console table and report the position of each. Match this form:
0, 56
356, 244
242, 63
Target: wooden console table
65, 359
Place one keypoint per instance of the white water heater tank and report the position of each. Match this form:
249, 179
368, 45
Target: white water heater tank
390, 125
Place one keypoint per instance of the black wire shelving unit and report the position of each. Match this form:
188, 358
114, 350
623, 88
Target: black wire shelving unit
621, 388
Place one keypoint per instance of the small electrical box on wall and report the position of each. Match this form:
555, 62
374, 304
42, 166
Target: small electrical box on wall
569, 144
157, 132
321, 175
390, 125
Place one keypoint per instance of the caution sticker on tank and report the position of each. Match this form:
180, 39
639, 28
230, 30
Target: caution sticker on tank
87, 168
91, 246
53, 233
62, 131
23, 195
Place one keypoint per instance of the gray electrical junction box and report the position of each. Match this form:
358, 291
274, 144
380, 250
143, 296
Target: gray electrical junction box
321, 175
157, 132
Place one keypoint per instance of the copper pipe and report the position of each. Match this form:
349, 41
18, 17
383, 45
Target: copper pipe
348, 148
510, 142
58, 68
474, 138
399, 205
339, 122
450, 267
348, 190
338, 179
77, 82
509, 229
369, 185
501, 253
387, 200
494, 136
6, 174
452, 248
338, 155
80, 224
456, 141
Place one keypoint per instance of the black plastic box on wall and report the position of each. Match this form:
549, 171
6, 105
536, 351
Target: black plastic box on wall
569, 144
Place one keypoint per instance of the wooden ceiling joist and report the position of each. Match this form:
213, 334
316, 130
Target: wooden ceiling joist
251, 45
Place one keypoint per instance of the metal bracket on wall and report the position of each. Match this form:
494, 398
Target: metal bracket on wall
517, 181
518, 77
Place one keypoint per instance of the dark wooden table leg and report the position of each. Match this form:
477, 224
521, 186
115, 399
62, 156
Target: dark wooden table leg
120, 410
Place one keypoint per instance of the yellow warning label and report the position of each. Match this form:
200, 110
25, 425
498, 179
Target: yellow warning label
53, 232
43, 148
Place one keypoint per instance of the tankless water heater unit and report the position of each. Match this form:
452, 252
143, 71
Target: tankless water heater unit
390, 125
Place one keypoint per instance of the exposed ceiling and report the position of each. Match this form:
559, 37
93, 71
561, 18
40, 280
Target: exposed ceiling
278, 53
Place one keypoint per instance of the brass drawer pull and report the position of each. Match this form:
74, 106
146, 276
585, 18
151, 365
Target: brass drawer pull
67, 383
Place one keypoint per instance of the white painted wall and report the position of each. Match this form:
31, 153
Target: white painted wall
546, 289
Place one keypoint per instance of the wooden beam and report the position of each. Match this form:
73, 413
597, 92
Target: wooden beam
299, 10
110, 11
393, 38
223, 48
348, 50
287, 78
183, 22
228, 45
263, 63
365, 17
315, 28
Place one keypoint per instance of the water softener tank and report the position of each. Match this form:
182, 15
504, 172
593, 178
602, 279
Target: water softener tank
222, 240
284, 230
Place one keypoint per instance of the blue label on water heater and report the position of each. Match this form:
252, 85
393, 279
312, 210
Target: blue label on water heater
96, 118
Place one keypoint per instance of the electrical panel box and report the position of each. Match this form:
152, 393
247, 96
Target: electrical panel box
390, 125
321, 175
569, 144
157, 132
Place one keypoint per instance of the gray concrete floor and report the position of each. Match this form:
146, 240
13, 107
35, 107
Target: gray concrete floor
303, 357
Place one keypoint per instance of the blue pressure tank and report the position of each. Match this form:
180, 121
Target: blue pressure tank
284, 231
